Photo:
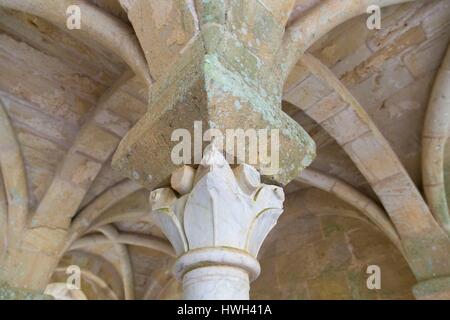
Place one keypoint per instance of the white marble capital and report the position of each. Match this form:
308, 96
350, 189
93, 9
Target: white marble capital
217, 219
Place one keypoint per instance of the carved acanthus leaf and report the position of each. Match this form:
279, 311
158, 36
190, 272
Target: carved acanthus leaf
225, 208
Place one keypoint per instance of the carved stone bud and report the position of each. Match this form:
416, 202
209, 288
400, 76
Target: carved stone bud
182, 180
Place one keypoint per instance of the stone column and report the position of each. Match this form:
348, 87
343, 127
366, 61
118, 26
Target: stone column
217, 219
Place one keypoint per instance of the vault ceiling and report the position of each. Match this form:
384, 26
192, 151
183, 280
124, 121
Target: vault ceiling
52, 83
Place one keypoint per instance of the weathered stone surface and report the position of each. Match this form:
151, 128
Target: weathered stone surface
326, 108
428, 56
169, 24
433, 289
410, 38
223, 73
330, 285
50, 82
27, 269
331, 262
8, 293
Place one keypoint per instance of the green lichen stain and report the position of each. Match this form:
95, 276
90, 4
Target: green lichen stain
221, 84
230, 83
8, 293
213, 11
432, 287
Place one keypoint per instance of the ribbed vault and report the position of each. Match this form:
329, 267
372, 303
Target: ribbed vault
371, 100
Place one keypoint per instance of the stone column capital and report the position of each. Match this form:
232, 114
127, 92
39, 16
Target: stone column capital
217, 218
217, 206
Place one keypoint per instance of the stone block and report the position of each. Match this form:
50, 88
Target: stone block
372, 157
428, 56
332, 225
79, 170
281, 10
326, 108
29, 270
332, 285
217, 97
376, 61
112, 122
332, 253
43, 240
437, 17
367, 243
96, 142
303, 270
256, 27
58, 205
164, 28
309, 92
342, 134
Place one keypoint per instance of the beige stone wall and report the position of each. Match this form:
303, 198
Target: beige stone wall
321, 248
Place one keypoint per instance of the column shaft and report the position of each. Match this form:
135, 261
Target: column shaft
216, 283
